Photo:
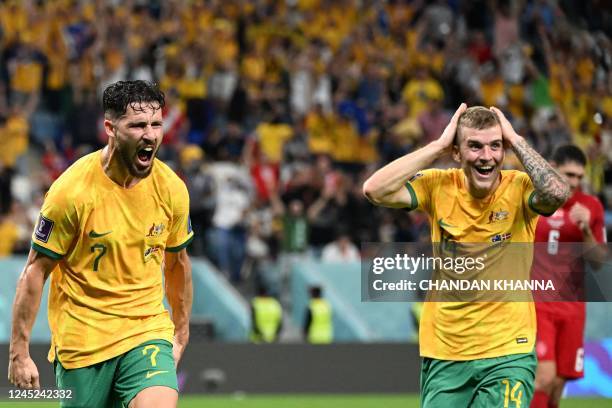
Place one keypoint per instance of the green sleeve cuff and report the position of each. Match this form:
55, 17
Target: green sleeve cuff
535, 210
183, 245
46, 251
413, 198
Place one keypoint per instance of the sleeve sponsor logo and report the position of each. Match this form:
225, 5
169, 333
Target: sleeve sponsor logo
43, 229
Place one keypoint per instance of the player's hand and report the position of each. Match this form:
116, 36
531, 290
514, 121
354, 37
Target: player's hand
581, 216
178, 348
448, 135
508, 133
23, 373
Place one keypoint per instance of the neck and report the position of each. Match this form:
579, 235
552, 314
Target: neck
480, 193
115, 169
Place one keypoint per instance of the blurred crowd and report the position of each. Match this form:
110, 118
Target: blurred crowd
277, 111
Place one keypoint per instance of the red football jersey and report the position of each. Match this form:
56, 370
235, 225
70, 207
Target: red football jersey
563, 263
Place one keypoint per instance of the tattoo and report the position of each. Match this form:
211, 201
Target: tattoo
551, 190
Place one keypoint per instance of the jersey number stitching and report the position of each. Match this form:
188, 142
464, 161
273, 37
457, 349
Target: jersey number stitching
102, 249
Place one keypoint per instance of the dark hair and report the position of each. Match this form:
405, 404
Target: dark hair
118, 96
316, 291
568, 153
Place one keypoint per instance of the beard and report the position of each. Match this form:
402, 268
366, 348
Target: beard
129, 161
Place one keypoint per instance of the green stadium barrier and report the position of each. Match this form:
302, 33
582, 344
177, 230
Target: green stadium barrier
216, 300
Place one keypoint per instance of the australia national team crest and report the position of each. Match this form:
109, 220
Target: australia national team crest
156, 230
496, 216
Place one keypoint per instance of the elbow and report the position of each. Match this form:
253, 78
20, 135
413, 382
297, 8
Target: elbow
371, 192
563, 195
559, 195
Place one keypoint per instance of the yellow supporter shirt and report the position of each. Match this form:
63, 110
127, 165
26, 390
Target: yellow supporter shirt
475, 330
106, 292
9, 231
417, 94
272, 137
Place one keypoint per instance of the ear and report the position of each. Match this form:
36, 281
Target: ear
109, 128
456, 154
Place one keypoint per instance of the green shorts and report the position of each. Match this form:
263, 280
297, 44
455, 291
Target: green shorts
115, 382
504, 382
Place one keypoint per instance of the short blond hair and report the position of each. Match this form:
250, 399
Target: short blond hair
476, 117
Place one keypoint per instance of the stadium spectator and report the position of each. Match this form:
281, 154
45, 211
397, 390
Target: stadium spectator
266, 317
234, 192
459, 199
560, 339
340, 249
318, 325
202, 192
105, 229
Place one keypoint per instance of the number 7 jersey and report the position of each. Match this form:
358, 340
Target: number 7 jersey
106, 292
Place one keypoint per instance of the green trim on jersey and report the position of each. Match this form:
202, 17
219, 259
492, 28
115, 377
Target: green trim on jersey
414, 203
46, 251
535, 210
183, 245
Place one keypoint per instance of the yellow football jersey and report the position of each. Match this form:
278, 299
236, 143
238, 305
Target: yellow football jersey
473, 330
106, 292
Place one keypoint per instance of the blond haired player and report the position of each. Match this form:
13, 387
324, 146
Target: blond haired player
474, 354
110, 226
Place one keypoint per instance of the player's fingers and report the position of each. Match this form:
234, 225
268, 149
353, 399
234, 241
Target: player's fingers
458, 112
500, 115
36, 381
450, 129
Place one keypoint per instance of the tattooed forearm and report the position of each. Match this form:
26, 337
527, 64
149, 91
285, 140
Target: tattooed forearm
551, 190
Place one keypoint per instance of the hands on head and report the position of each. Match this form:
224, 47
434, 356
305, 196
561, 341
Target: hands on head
448, 135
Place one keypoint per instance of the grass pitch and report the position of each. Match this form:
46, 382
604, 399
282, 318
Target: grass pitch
307, 401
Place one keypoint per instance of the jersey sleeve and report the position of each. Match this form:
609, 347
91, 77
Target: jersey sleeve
420, 187
181, 233
57, 225
598, 224
529, 195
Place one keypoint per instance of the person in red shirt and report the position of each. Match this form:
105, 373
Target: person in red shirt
560, 333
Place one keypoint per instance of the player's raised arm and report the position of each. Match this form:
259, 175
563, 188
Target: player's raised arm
179, 290
22, 371
551, 191
386, 186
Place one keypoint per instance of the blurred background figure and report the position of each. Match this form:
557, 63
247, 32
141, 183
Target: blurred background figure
318, 322
266, 317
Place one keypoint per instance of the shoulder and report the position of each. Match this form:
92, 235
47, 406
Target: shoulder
167, 180
437, 174
516, 179
74, 181
515, 175
591, 201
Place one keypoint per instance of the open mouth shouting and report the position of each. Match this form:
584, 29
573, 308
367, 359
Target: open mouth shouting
484, 171
144, 156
